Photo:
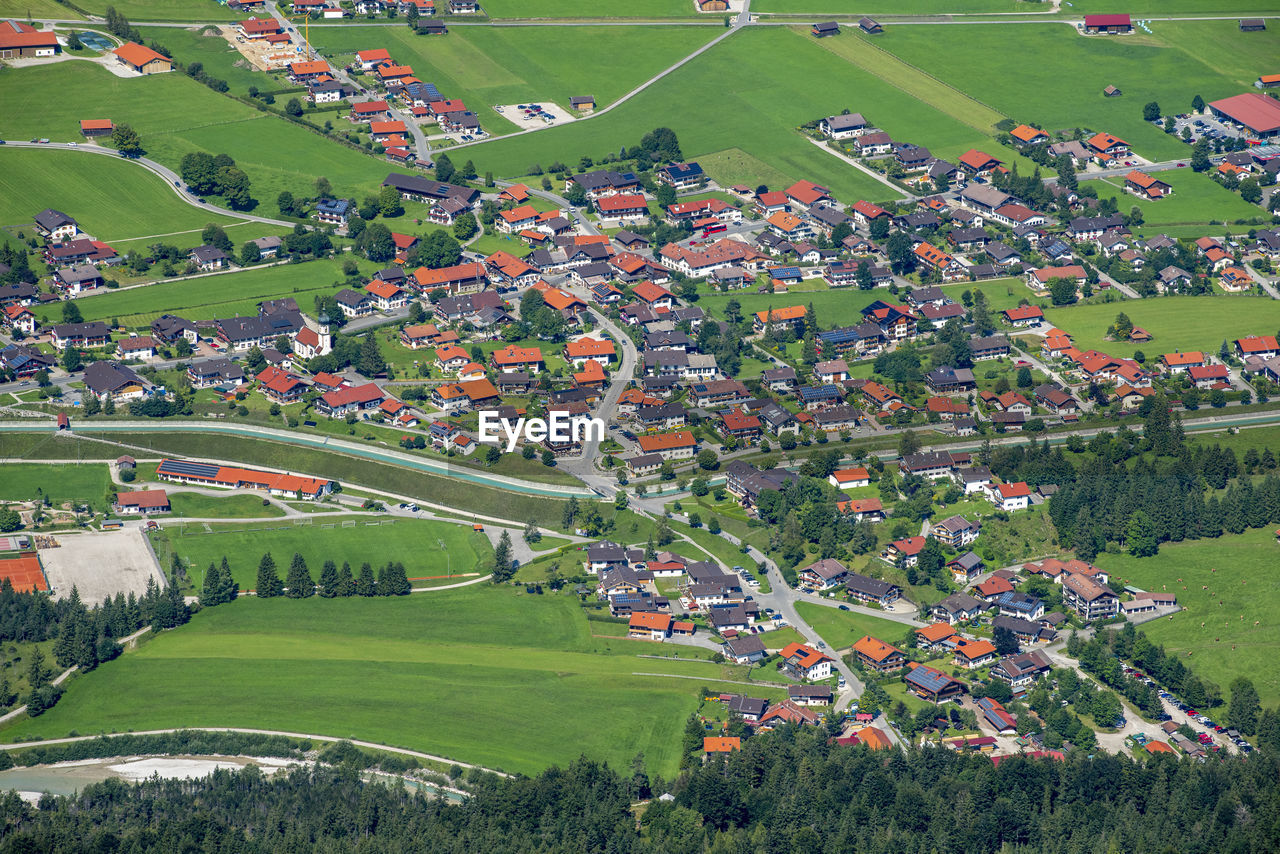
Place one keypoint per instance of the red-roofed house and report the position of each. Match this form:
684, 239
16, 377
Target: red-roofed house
1179, 362
978, 164
386, 296
336, 404
1262, 346
1010, 496
1024, 315
623, 206
806, 193
1108, 24
144, 60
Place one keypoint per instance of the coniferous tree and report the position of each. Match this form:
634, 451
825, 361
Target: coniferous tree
269, 583
329, 580
212, 588
346, 582
365, 583
299, 584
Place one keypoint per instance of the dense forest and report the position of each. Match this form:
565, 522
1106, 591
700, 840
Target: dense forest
792, 791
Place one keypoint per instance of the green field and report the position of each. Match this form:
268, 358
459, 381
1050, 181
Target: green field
218, 296
88, 484
991, 63
162, 10
478, 674
219, 58
413, 542
1215, 635
1196, 198
22, 9
838, 307
773, 70
231, 506
1175, 323
841, 629
851, 10
112, 199
487, 66
464, 497
175, 115
571, 9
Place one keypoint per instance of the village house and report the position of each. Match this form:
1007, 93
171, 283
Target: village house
931, 684
877, 655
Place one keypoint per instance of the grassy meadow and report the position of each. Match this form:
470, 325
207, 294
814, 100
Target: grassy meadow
487, 66
1196, 199
1226, 586
991, 63
87, 484
111, 198
231, 506
479, 674
161, 10
774, 70
1175, 322
218, 296
413, 542
841, 629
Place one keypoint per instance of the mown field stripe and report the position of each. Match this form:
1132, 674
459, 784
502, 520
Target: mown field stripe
914, 81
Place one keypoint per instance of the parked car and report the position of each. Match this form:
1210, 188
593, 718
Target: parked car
844, 607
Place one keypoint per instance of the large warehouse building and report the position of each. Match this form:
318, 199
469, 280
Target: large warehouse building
1257, 112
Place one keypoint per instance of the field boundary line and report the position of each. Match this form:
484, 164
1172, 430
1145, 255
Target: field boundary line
870, 69
712, 679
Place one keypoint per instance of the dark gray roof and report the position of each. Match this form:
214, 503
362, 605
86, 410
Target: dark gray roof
109, 377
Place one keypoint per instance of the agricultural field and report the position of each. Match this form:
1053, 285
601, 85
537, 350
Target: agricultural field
773, 69
1175, 323
175, 115
1196, 198
161, 10
207, 46
1221, 45
354, 539
485, 66
841, 629
222, 295
1068, 90
111, 198
83, 484
384, 669
850, 11
569, 9
1230, 594
22, 9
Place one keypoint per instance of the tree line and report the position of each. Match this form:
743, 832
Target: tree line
391, 580
791, 791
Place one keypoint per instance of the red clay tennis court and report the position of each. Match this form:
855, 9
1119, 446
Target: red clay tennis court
23, 572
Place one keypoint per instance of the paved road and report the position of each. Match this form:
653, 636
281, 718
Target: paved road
170, 177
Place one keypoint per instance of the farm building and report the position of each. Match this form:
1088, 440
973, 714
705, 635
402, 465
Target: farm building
142, 59
1108, 24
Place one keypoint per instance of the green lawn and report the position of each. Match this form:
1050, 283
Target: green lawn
88, 484
218, 296
1225, 585
235, 505
479, 674
413, 542
1196, 198
1175, 323
112, 199
488, 66
841, 629
834, 307
990, 63
773, 70
1220, 44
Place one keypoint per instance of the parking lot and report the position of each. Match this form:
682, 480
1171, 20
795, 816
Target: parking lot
1211, 734
1202, 125
533, 115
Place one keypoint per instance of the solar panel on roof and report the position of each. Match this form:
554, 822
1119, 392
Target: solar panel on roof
185, 467
928, 678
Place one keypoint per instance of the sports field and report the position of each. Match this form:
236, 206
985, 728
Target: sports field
1226, 585
354, 539
991, 63
479, 674
218, 296
112, 199
774, 72
1175, 323
841, 629
485, 66
87, 484
1196, 198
